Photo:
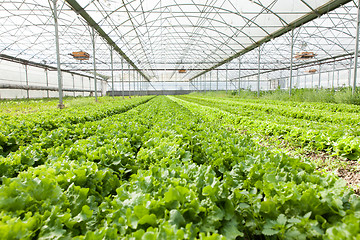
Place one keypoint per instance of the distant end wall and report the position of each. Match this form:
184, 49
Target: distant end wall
152, 92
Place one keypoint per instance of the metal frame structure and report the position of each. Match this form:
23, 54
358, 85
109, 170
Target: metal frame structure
158, 38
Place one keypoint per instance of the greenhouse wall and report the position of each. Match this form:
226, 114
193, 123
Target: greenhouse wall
15, 74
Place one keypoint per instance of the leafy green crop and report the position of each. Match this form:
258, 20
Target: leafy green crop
316, 130
16, 131
163, 171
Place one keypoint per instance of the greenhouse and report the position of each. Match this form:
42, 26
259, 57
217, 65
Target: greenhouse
168, 119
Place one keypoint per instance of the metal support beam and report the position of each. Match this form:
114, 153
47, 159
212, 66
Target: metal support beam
73, 78
199, 84
94, 61
193, 85
47, 81
297, 78
27, 81
210, 80
217, 80
76, 7
40, 88
112, 71
226, 78
134, 83
356, 49
122, 77
333, 77
138, 83
312, 81
61, 104
350, 69
82, 85
141, 85
258, 76
239, 74
319, 85
205, 83
315, 13
291, 61
129, 81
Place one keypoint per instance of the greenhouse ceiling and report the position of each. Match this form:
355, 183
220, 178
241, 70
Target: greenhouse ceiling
160, 37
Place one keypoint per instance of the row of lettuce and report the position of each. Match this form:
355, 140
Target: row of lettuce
166, 169
23, 129
311, 126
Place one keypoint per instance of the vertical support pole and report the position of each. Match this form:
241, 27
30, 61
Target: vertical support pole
356, 49
136, 90
312, 81
73, 78
319, 77
138, 83
147, 87
90, 94
226, 78
47, 82
349, 80
333, 77
129, 80
210, 80
60, 105
134, 82
112, 71
199, 83
239, 74
27, 82
94, 62
142, 84
82, 85
217, 79
291, 61
205, 82
196, 85
258, 75
122, 77
297, 79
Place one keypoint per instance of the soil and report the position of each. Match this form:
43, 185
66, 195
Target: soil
349, 170
351, 174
